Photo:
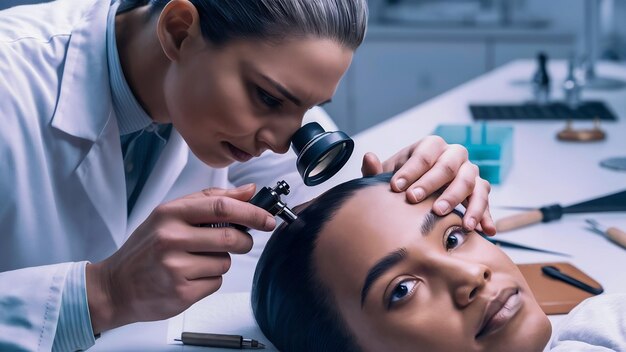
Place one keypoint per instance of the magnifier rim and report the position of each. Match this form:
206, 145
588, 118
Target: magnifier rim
312, 156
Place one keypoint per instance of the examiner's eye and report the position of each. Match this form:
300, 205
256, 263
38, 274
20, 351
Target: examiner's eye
402, 290
267, 99
454, 237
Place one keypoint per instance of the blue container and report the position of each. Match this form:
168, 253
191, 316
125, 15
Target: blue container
489, 147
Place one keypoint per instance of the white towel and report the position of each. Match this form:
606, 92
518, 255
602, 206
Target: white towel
597, 324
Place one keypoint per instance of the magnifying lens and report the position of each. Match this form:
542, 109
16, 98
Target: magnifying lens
320, 155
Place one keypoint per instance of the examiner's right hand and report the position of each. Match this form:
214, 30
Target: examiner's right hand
170, 262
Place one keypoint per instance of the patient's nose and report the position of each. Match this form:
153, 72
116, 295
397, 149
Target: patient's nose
467, 279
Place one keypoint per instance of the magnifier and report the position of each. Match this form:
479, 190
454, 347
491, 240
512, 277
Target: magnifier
321, 155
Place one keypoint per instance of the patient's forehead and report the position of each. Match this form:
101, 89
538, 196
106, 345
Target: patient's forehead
375, 209
369, 225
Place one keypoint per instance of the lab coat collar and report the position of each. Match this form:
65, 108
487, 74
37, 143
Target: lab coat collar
85, 61
85, 110
101, 174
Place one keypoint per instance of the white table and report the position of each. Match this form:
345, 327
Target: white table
544, 171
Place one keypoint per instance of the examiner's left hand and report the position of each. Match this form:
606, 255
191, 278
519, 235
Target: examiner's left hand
430, 164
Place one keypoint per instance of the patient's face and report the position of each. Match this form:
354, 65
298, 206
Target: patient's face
426, 284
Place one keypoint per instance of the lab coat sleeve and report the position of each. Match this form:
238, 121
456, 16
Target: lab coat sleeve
29, 307
598, 324
74, 331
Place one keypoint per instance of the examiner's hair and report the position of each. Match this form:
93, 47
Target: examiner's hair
294, 309
344, 21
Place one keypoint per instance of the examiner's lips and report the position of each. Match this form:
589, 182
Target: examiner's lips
237, 153
499, 311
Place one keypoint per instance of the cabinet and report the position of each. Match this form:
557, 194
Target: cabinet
396, 69
393, 76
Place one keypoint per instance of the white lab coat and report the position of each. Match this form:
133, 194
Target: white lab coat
62, 183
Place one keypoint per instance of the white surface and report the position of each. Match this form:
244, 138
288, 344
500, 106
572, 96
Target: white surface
544, 171
222, 313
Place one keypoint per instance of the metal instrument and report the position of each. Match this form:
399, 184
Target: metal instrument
612, 233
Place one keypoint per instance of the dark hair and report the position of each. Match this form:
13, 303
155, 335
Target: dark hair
344, 21
291, 305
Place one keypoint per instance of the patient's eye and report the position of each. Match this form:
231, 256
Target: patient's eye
402, 290
454, 237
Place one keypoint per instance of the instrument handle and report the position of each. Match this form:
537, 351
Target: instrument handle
512, 222
616, 235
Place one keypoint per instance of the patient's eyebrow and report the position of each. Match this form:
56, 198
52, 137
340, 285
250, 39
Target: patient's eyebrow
431, 219
429, 222
379, 269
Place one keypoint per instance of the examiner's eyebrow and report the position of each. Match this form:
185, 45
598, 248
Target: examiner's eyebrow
283, 91
379, 269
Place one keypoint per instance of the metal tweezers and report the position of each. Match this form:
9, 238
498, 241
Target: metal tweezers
507, 244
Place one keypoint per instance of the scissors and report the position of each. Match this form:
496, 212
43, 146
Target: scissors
507, 244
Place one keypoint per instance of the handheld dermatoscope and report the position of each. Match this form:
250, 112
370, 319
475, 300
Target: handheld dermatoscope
321, 155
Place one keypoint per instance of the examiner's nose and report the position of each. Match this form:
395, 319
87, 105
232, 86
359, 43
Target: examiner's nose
278, 137
467, 280
277, 145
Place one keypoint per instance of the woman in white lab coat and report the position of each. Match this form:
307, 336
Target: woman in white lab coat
218, 83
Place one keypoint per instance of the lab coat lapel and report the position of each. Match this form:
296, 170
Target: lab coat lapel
171, 162
102, 176
84, 110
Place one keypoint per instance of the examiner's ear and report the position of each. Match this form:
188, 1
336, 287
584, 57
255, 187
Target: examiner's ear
179, 23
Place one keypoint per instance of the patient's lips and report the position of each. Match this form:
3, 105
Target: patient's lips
499, 311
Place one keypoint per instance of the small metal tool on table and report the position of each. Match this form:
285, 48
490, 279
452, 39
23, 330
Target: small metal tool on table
613, 233
507, 244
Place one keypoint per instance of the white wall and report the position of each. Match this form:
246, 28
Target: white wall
569, 15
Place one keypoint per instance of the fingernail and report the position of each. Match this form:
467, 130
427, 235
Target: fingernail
471, 223
442, 206
270, 223
401, 183
419, 193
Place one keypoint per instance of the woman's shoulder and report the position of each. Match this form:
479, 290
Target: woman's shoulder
43, 21
35, 49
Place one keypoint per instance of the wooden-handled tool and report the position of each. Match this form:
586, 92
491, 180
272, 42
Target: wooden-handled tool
519, 220
613, 233
611, 202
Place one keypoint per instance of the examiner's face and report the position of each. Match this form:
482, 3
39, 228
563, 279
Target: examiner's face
405, 279
233, 102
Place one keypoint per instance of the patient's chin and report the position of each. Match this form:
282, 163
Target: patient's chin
535, 338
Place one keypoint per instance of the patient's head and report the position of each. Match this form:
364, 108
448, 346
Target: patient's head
363, 270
